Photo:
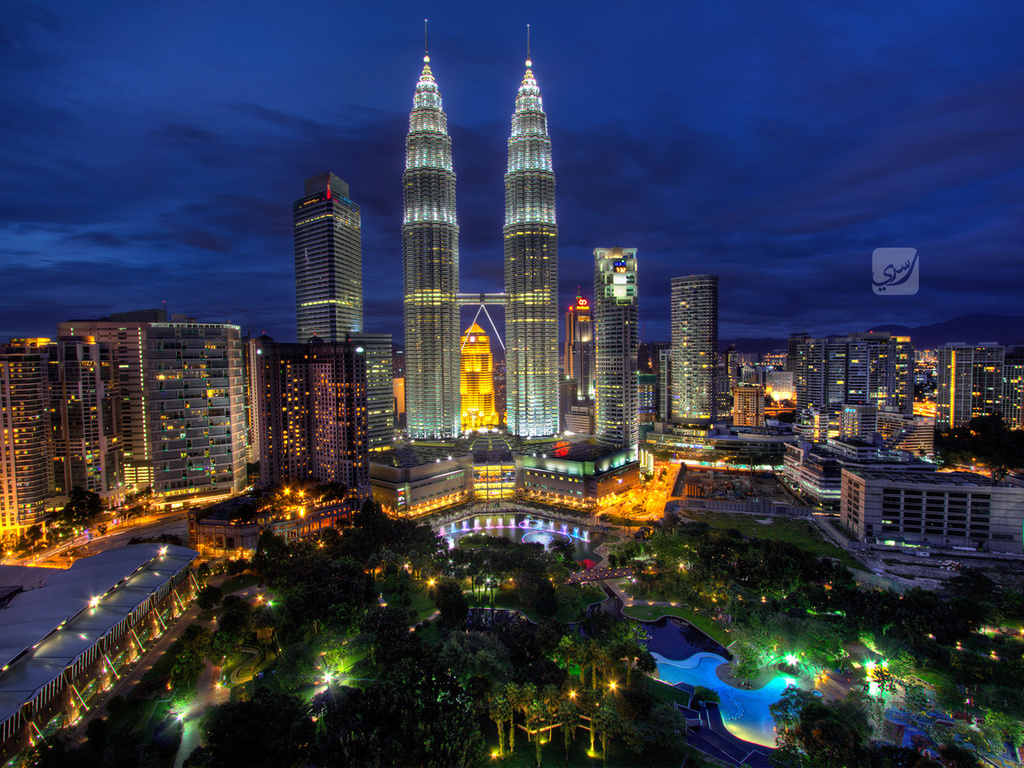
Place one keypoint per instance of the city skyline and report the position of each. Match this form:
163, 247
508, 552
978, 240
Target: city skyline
736, 138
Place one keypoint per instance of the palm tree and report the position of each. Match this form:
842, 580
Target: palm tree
606, 722
569, 715
500, 710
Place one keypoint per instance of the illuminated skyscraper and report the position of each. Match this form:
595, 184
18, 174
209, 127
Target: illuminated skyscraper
616, 315
328, 261
531, 269
430, 262
579, 349
25, 449
478, 410
694, 347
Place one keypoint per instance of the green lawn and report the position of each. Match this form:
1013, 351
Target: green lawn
420, 605
800, 533
701, 622
236, 583
508, 598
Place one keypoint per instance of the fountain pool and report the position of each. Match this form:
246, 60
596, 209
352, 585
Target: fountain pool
745, 712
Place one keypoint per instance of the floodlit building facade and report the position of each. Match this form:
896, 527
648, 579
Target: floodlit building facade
195, 390
477, 384
748, 406
694, 347
328, 261
430, 266
25, 453
616, 322
531, 270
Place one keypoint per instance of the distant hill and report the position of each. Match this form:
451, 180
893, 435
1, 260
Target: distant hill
970, 329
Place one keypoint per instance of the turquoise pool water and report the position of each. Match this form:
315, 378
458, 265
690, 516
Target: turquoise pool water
745, 712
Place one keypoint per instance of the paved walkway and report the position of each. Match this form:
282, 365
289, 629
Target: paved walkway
209, 692
598, 573
131, 678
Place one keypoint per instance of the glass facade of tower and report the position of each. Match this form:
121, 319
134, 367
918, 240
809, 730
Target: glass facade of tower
477, 381
694, 347
616, 315
328, 261
531, 270
430, 263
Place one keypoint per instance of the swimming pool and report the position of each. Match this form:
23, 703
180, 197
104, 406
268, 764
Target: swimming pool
745, 712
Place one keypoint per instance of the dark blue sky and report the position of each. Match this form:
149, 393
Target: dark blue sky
150, 151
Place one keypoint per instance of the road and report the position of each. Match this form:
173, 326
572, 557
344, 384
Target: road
173, 523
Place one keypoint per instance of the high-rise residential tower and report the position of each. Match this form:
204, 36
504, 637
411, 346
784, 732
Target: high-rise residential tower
328, 261
616, 315
430, 263
531, 269
579, 348
25, 448
694, 347
970, 383
313, 413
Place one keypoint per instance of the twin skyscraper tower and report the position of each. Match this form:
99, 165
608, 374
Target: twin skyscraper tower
430, 259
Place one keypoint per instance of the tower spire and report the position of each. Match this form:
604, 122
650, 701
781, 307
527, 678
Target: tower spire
529, 61
426, 43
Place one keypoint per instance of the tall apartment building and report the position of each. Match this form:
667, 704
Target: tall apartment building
85, 423
531, 269
196, 415
694, 347
970, 383
663, 397
328, 261
125, 334
580, 361
859, 369
313, 413
1013, 388
25, 456
617, 330
748, 405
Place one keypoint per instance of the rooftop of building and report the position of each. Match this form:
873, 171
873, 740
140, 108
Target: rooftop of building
583, 450
965, 479
46, 629
408, 455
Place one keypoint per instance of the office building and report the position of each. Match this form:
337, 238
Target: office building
748, 406
430, 266
380, 396
947, 510
694, 347
580, 360
85, 424
970, 383
194, 387
531, 270
477, 382
313, 414
26, 471
617, 329
328, 261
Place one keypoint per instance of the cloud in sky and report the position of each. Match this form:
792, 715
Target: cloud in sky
151, 152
